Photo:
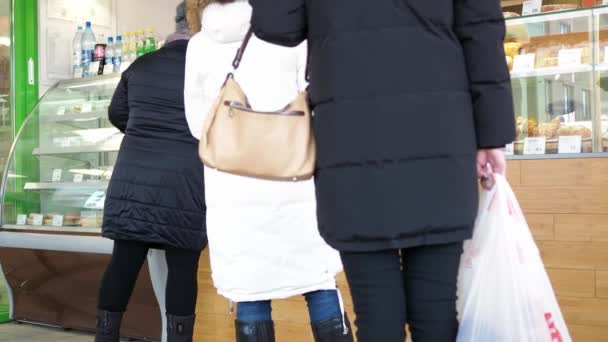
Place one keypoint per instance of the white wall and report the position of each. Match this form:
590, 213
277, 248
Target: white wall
58, 20
140, 14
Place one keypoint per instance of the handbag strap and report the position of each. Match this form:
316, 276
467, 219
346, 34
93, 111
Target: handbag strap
241, 52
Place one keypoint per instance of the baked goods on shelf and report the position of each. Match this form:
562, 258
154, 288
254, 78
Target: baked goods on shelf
512, 49
48, 219
71, 220
549, 130
91, 218
31, 218
526, 127
575, 130
558, 7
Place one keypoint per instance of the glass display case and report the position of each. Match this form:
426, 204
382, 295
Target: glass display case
59, 165
559, 70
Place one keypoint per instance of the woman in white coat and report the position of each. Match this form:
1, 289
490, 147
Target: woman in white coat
263, 237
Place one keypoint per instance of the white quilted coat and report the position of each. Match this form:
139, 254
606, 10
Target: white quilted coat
263, 237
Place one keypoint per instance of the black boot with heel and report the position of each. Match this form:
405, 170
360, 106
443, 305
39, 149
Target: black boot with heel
332, 330
108, 326
180, 328
254, 332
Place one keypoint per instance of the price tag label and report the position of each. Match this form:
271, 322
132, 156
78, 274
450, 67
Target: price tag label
570, 144
78, 178
87, 107
532, 7
510, 149
21, 219
524, 62
61, 111
570, 57
37, 220
56, 177
57, 221
534, 146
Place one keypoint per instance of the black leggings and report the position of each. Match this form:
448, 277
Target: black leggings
127, 259
418, 288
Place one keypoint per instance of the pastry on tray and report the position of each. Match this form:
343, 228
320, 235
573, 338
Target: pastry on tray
558, 7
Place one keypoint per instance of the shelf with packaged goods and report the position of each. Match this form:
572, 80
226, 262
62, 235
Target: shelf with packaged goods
74, 117
558, 15
89, 83
46, 151
556, 71
57, 229
66, 186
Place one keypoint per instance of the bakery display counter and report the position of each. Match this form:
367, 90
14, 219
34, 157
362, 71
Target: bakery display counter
559, 69
62, 160
51, 208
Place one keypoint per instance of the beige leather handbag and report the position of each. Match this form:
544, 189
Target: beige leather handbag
275, 145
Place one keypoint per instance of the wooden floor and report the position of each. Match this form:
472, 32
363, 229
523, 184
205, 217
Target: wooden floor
566, 203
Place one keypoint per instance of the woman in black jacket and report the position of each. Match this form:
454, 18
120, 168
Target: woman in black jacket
412, 103
156, 194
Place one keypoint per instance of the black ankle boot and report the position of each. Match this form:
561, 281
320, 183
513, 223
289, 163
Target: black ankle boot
108, 326
180, 328
254, 332
332, 330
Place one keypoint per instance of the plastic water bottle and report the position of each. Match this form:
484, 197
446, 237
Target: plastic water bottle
133, 47
141, 44
77, 53
117, 60
88, 46
150, 41
126, 50
108, 67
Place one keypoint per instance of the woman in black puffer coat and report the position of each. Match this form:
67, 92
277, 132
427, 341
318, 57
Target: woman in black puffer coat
412, 102
156, 196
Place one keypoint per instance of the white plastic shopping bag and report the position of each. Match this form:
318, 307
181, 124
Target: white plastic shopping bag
504, 292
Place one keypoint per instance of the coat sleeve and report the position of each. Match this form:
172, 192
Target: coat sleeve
480, 27
281, 22
197, 101
118, 112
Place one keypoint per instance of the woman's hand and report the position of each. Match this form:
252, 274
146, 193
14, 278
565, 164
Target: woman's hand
490, 162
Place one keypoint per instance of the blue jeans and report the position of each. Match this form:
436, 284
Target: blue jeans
322, 306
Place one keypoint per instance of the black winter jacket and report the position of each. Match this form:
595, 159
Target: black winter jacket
405, 92
156, 194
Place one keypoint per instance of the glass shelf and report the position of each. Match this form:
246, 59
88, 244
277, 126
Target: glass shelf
60, 163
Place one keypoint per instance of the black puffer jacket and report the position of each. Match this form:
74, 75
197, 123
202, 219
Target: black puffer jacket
405, 92
156, 193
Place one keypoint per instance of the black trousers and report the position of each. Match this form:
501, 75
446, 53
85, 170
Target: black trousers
415, 286
127, 259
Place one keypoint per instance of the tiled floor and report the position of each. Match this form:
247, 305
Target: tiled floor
12, 332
